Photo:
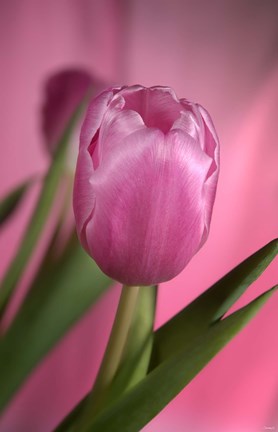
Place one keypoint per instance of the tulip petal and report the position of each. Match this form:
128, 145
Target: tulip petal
213, 143
156, 105
192, 110
212, 149
83, 194
94, 116
148, 215
188, 123
117, 124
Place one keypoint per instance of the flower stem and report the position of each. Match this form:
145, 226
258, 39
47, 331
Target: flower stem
113, 354
118, 337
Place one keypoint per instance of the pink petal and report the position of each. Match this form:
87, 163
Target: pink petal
191, 109
83, 193
188, 123
212, 149
94, 116
158, 106
149, 209
117, 124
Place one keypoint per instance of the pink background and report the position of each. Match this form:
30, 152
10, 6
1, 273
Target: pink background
221, 53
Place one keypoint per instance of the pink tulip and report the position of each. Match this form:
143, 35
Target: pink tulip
145, 182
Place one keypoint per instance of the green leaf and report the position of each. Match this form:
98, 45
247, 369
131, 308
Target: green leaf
10, 202
59, 297
135, 362
39, 216
132, 411
195, 320
211, 305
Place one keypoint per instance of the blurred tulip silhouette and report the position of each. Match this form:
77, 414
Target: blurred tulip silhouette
64, 91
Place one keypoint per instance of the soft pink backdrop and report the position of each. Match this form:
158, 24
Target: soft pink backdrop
222, 54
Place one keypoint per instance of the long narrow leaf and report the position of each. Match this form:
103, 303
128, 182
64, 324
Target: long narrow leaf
9, 203
195, 319
211, 305
39, 217
141, 404
49, 311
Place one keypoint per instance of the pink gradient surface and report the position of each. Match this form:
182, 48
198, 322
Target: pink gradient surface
222, 54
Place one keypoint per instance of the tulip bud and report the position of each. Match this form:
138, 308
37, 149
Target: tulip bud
64, 91
145, 183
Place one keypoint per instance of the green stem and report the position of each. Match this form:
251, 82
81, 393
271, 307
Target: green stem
113, 354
